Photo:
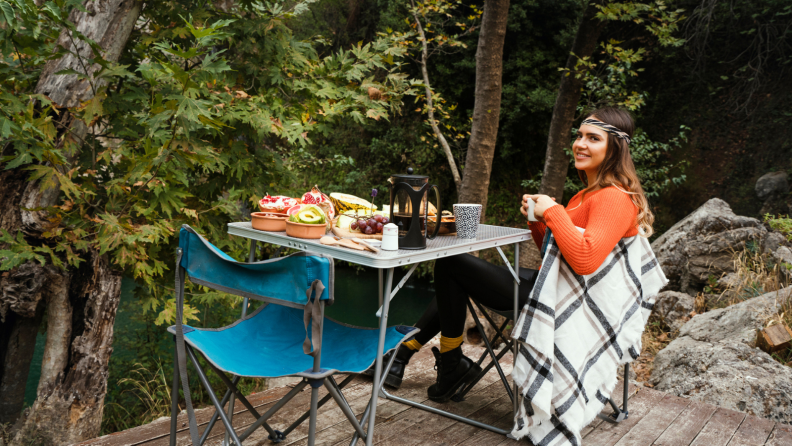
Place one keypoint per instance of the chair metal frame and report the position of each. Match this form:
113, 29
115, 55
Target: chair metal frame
233, 393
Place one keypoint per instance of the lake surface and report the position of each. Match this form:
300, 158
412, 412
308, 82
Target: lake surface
355, 303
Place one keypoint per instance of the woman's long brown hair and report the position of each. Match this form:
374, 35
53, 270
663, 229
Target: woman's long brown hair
618, 169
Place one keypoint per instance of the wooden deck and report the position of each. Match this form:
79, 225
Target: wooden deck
655, 419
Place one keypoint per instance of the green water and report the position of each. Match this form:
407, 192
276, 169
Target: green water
355, 303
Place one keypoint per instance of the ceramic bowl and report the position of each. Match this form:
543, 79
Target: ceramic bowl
267, 221
302, 230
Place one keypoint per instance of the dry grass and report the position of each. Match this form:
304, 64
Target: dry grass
656, 336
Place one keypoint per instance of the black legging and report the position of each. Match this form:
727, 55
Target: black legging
461, 276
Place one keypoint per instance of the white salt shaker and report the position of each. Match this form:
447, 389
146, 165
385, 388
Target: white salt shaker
390, 237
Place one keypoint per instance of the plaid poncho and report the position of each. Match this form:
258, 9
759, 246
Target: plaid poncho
573, 333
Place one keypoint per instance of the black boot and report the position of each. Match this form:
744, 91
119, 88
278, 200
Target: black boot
396, 372
454, 370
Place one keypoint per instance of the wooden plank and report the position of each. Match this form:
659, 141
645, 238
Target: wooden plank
422, 373
409, 418
421, 425
618, 396
420, 369
781, 435
489, 389
687, 425
774, 338
160, 428
646, 431
720, 429
753, 431
607, 434
485, 437
331, 414
499, 412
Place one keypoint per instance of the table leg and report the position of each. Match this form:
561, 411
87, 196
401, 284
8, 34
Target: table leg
516, 315
379, 290
378, 364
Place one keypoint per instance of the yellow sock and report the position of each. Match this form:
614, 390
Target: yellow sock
448, 344
413, 345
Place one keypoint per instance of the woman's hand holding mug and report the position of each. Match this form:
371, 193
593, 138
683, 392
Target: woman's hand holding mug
543, 202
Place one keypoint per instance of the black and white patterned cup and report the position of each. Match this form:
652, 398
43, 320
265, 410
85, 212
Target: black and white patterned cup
467, 218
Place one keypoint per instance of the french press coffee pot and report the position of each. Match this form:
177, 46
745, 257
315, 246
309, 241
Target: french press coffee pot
409, 209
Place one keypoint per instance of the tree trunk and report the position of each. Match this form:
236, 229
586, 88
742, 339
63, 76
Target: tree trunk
108, 23
486, 111
70, 399
20, 316
81, 303
16, 352
558, 138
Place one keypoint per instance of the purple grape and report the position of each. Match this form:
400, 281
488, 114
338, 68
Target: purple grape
369, 231
379, 227
361, 224
378, 218
353, 225
384, 220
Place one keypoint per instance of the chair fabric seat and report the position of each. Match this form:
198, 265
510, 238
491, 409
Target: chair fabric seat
268, 344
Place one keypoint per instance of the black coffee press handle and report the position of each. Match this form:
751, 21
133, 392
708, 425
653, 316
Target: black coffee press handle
439, 212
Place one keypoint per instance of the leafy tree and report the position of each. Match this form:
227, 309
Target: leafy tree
580, 73
192, 125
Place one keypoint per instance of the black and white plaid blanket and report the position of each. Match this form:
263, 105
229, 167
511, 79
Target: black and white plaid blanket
574, 332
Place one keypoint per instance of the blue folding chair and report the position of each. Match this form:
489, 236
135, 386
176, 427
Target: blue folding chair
274, 341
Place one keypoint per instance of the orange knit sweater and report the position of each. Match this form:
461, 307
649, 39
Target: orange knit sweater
606, 214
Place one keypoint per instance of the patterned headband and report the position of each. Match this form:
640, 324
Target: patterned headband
608, 128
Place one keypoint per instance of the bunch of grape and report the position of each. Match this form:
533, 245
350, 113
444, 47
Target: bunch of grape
369, 225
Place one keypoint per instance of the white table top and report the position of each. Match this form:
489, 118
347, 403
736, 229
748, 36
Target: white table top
441, 246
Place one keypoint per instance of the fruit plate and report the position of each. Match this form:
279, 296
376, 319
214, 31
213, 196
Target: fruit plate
344, 233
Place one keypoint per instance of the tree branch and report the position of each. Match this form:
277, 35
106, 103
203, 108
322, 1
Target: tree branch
430, 105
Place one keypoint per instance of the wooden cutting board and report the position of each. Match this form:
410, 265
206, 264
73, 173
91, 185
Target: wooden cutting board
344, 233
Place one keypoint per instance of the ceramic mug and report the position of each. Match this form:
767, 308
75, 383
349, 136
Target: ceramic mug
467, 217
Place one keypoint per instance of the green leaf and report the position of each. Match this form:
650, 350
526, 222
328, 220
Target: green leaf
93, 108
8, 14
71, 71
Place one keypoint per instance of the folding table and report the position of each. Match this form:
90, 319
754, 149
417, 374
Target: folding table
385, 262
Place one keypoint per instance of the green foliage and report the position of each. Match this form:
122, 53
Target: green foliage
197, 120
656, 17
653, 163
607, 80
781, 223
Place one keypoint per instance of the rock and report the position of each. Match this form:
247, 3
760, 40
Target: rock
772, 184
730, 280
714, 361
772, 242
783, 254
702, 244
674, 308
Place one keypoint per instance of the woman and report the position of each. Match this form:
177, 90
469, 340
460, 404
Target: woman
612, 206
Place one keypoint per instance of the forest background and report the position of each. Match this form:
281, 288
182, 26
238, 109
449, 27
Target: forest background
205, 106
